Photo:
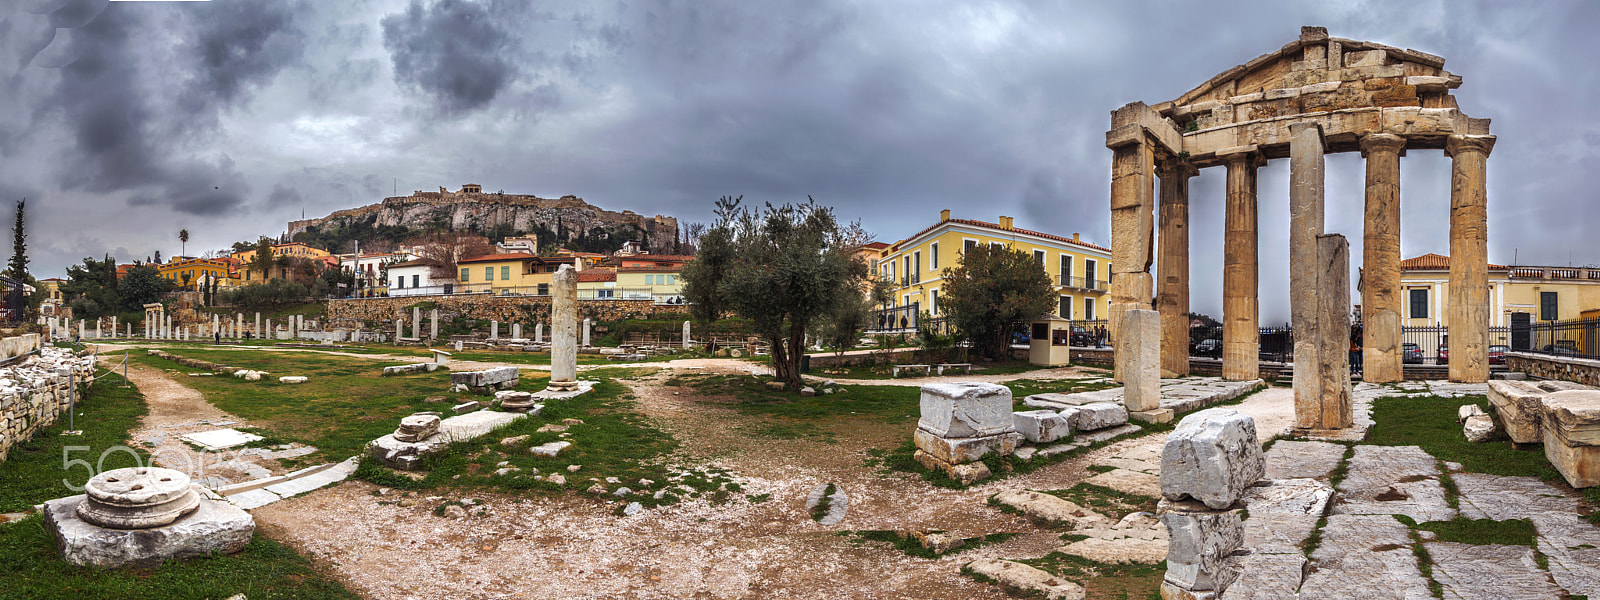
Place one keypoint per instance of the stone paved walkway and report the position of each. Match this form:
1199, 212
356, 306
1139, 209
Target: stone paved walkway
1364, 550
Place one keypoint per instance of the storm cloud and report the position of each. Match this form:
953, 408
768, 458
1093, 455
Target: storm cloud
231, 117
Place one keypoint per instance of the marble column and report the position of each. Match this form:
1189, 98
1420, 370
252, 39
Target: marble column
416, 322
494, 330
1172, 295
113, 327
587, 324
1469, 257
216, 324
433, 324
1381, 302
564, 324
1306, 175
258, 326
81, 328
686, 335
516, 331
399, 328
1333, 409
1241, 333
538, 333
269, 334
97, 330
1132, 232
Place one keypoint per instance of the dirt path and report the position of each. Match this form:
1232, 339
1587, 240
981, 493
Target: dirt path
176, 410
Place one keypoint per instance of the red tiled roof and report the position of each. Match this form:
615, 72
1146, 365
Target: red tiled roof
1434, 262
875, 245
498, 257
1020, 230
593, 275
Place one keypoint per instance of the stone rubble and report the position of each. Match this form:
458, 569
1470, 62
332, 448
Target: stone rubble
961, 423
1213, 457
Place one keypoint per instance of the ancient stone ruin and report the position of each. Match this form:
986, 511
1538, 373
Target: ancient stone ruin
961, 423
485, 382
1315, 95
1208, 463
142, 516
564, 323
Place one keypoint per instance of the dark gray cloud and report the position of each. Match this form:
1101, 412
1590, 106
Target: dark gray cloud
233, 117
452, 50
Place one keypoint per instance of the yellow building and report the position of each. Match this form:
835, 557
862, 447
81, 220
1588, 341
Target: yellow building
915, 266
1544, 293
248, 275
659, 283
522, 274
192, 271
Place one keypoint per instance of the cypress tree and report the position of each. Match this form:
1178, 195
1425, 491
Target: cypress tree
18, 267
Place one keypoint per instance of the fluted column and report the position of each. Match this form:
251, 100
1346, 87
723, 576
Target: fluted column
1380, 256
1172, 298
1469, 257
1306, 179
1241, 333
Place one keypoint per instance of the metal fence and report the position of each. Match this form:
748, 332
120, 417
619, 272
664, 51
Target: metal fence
897, 319
1576, 338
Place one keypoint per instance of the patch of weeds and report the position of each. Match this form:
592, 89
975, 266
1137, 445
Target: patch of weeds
1100, 468
1106, 501
1080, 569
1424, 560
911, 547
1514, 532
1314, 540
757, 498
1452, 494
820, 509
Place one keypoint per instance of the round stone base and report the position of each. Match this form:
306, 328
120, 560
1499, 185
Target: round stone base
214, 526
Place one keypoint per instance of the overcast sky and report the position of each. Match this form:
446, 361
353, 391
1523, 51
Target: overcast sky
122, 122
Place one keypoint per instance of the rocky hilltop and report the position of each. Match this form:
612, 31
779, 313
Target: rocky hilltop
471, 209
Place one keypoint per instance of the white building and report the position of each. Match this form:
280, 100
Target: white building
414, 278
519, 245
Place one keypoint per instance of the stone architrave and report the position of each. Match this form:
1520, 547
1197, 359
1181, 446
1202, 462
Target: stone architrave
1469, 257
1334, 408
1241, 333
1380, 256
433, 324
1138, 358
494, 330
686, 343
564, 323
416, 322
1212, 457
587, 326
1306, 173
1172, 283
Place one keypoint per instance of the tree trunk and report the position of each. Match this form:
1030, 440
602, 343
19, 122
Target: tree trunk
782, 368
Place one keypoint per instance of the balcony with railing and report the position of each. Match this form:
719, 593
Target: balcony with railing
1569, 273
1083, 283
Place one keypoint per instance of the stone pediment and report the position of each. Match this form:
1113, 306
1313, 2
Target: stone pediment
1350, 87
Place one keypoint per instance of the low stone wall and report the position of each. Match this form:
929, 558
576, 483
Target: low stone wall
1578, 370
35, 394
528, 310
194, 363
15, 346
898, 356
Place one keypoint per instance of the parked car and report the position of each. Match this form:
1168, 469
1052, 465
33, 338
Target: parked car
1560, 350
1207, 348
1444, 355
1410, 354
1081, 336
1497, 354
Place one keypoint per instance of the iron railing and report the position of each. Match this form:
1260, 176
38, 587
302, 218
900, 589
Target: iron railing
1083, 283
1578, 338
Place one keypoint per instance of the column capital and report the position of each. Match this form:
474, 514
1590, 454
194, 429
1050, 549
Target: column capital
1468, 143
1175, 168
1241, 156
1382, 142
1296, 128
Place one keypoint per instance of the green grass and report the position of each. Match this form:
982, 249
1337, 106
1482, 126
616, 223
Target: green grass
911, 547
788, 415
1514, 532
345, 403
1106, 501
33, 473
614, 440
31, 568
1430, 423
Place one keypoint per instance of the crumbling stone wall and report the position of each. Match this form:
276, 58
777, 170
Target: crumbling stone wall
1576, 370
36, 395
374, 312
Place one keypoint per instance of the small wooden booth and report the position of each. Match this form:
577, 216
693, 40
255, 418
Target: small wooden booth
1050, 343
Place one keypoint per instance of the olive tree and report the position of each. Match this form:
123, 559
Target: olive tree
992, 291
785, 268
